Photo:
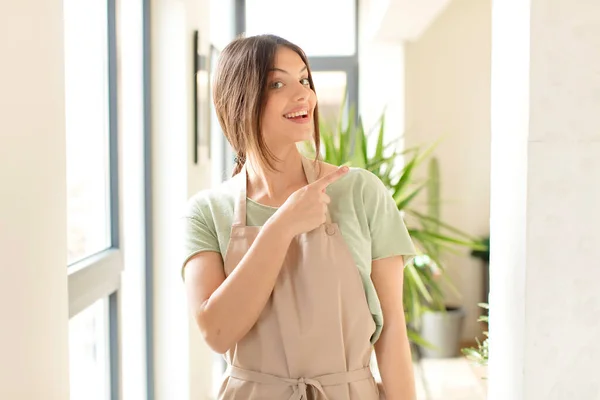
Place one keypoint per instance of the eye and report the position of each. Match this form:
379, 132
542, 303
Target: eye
305, 82
277, 85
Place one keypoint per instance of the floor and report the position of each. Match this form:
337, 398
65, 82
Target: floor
448, 379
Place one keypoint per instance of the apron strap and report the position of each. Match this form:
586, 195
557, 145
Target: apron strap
239, 213
311, 176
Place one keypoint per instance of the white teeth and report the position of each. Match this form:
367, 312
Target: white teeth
296, 114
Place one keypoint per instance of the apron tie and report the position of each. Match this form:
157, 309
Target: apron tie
300, 385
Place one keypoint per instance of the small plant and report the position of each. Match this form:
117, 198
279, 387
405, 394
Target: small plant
479, 354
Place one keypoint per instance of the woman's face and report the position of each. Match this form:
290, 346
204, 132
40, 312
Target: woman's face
287, 117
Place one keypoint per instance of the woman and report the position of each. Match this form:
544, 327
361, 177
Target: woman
294, 264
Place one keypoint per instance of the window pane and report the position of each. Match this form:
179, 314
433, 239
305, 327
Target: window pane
320, 27
330, 88
88, 353
86, 93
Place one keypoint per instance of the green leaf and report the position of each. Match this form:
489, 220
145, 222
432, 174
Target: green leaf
448, 227
473, 355
330, 155
402, 202
399, 187
363, 143
375, 164
359, 154
380, 147
416, 279
433, 194
445, 240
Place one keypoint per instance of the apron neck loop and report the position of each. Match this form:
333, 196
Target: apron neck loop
309, 170
311, 176
239, 213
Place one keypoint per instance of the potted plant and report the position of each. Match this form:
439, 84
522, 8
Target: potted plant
346, 143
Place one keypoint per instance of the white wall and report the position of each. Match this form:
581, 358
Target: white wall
545, 195
182, 362
448, 95
33, 241
381, 74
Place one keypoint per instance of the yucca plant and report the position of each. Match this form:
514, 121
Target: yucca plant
347, 144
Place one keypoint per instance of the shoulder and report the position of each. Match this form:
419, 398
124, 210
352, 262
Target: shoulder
205, 203
357, 179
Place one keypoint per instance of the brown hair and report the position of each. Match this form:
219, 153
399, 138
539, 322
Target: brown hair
240, 86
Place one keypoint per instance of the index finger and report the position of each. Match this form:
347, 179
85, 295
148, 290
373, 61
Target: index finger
330, 178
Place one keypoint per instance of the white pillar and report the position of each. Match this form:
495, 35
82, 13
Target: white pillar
33, 238
545, 293
183, 363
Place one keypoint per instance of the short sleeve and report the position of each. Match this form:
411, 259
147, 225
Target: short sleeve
198, 230
389, 235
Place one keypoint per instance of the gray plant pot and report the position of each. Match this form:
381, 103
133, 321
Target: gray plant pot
443, 330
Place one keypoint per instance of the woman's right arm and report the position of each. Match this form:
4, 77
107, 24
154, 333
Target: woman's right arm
225, 309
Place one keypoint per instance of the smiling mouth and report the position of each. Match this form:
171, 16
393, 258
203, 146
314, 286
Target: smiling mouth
297, 115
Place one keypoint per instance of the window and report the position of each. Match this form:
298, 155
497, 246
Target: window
321, 28
86, 93
330, 87
89, 353
94, 257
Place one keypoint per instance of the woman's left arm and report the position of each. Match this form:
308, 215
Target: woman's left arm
392, 348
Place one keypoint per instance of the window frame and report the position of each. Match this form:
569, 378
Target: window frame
148, 203
98, 276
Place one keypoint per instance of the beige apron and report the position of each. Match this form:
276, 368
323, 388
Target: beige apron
312, 340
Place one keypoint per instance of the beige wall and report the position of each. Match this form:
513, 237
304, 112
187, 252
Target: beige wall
33, 285
448, 95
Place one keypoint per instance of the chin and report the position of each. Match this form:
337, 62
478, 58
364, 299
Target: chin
292, 135
302, 137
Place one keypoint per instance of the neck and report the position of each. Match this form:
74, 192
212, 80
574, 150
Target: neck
274, 186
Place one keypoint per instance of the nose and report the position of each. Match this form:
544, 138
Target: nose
301, 97
302, 93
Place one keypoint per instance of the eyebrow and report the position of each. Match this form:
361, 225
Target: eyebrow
285, 72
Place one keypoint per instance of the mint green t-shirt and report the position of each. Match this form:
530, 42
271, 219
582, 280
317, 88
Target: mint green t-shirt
361, 205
